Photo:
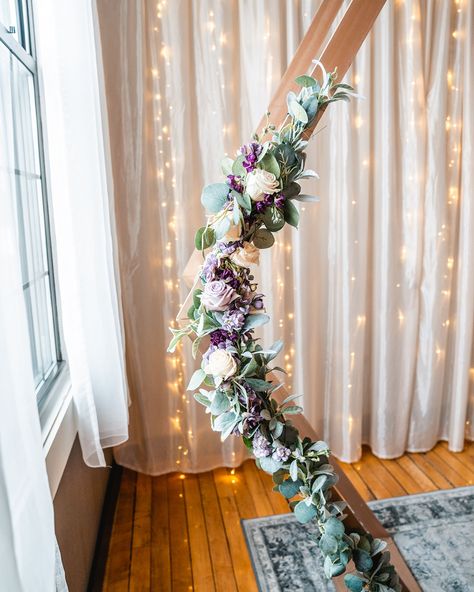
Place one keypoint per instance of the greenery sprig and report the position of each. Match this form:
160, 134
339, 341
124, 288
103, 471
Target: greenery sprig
255, 201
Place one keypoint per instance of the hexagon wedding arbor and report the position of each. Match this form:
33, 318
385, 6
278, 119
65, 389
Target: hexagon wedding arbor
337, 51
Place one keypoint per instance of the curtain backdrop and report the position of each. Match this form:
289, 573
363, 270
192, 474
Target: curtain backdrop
373, 294
90, 311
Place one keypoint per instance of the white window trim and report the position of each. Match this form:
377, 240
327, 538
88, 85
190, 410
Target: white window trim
58, 428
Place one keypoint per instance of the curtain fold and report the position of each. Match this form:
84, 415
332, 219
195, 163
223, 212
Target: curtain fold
83, 225
372, 294
27, 542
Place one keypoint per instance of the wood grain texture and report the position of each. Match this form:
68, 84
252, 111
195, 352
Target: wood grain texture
192, 525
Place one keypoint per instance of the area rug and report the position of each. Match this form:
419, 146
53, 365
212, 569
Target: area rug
434, 532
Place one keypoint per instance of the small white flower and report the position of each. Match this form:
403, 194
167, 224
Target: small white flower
246, 255
261, 183
221, 364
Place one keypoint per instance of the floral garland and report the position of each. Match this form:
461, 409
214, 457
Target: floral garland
256, 200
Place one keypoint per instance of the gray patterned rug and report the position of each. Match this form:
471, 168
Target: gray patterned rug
434, 532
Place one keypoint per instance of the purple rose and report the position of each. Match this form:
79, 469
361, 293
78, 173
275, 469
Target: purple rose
217, 295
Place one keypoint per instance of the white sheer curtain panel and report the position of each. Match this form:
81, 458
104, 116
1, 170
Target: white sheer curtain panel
27, 543
83, 224
373, 295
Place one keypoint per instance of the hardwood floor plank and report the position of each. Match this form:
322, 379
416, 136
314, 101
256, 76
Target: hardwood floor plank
224, 579
238, 549
443, 467
409, 484
412, 469
118, 569
466, 456
381, 471
263, 506
181, 572
358, 482
429, 470
160, 537
465, 472
243, 497
203, 580
140, 568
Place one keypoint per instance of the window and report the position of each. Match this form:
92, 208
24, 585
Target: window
23, 158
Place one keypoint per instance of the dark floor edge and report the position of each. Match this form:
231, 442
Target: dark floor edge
97, 573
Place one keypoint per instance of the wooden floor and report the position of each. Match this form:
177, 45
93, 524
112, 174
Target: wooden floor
178, 533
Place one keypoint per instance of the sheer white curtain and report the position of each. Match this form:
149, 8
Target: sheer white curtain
373, 294
27, 543
83, 226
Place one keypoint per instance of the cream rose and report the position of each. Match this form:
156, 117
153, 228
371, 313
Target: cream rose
246, 255
217, 295
260, 183
221, 364
233, 234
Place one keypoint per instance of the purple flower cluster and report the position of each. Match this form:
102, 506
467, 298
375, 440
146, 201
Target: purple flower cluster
261, 446
235, 182
251, 152
277, 199
233, 320
221, 338
209, 268
281, 454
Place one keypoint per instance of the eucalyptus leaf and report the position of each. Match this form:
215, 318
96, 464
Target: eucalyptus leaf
255, 320
270, 164
263, 239
196, 379
298, 112
273, 219
304, 513
238, 168
205, 238
328, 544
269, 465
220, 403
334, 527
292, 190
214, 197
307, 198
362, 560
292, 410
305, 81
290, 488
259, 385
244, 201
291, 214
226, 165
294, 470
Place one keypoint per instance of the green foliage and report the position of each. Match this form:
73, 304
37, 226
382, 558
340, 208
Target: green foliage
263, 239
205, 238
299, 467
214, 197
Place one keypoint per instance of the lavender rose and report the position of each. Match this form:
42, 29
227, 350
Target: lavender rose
217, 295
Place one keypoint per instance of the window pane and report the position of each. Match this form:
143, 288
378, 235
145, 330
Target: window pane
23, 165
14, 17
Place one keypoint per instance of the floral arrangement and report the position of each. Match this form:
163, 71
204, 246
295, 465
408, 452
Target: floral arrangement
255, 201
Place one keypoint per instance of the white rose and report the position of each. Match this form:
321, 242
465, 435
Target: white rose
259, 183
221, 364
246, 255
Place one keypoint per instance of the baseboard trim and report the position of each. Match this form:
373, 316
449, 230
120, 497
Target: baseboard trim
97, 573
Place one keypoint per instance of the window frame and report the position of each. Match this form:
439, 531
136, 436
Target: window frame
48, 389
